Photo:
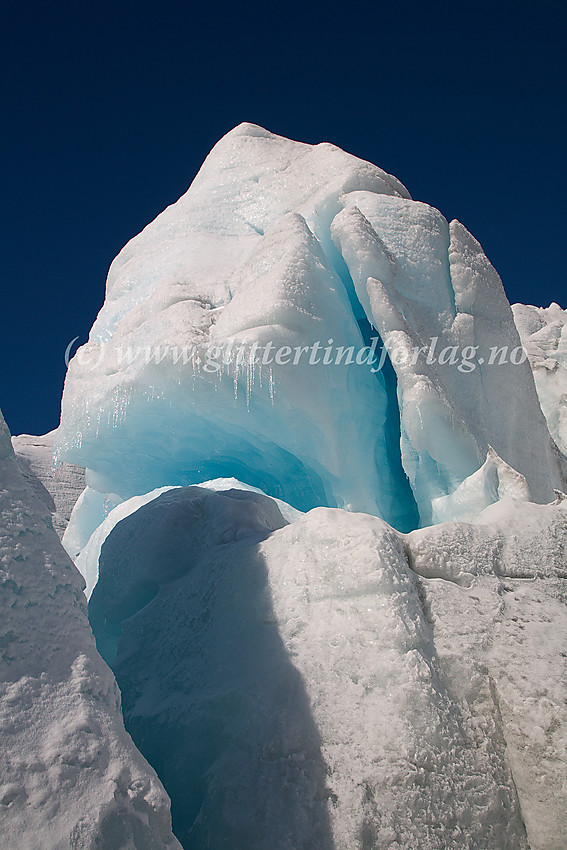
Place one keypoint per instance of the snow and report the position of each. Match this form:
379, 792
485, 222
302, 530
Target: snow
313, 633
84, 545
509, 538
69, 773
495, 592
494, 480
89, 512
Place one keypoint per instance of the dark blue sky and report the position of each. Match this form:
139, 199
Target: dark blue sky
109, 110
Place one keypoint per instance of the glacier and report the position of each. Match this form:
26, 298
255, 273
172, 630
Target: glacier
311, 470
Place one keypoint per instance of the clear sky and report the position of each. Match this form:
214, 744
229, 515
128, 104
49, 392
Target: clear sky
109, 109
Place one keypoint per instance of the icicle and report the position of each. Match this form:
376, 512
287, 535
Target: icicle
272, 386
55, 461
249, 372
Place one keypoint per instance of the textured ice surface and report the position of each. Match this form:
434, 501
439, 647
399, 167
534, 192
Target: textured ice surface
511, 539
87, 555
87, 551
63, 484
544, 335
495, 593
284, 681
494, 480
421, 278
502, 641
89, 512
282, 243
203, 272
70, 776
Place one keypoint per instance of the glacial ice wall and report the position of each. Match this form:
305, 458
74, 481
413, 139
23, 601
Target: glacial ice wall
290, 246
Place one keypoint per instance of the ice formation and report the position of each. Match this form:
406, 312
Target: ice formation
300, 676
86, 555
371, 689
69, 773
59, 487
544, 335
291, 245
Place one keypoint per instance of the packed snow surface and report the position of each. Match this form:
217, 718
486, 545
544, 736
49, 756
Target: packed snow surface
331, 683
70, 776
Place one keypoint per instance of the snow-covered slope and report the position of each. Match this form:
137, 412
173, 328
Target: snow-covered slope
70, 776
279, 247
64, 484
